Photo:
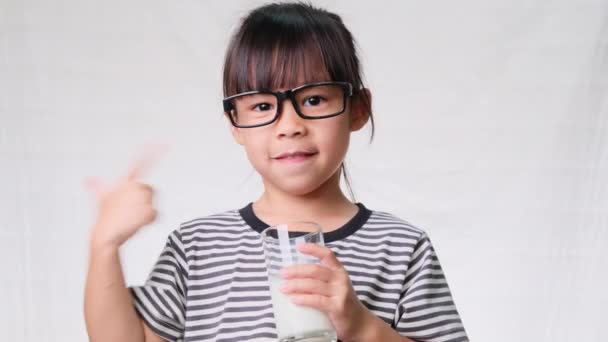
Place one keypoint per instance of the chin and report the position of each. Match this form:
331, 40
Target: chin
298, 188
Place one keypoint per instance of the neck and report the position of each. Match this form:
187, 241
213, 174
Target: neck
326, 205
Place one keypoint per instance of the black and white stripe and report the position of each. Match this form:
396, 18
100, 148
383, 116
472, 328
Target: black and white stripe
210, 281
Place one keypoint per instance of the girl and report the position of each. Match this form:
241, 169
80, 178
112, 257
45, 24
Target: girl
294, 94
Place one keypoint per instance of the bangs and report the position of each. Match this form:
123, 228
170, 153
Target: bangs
282, 59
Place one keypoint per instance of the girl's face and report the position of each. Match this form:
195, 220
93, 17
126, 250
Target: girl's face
297, 155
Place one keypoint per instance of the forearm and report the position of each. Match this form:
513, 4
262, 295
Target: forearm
377, 330
108, 307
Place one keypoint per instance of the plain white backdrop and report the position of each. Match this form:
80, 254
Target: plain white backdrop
492, 128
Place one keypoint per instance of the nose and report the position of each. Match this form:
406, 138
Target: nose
289, 123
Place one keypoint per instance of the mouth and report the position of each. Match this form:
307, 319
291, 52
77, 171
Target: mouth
295, 156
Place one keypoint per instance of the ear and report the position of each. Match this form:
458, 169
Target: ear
361, 109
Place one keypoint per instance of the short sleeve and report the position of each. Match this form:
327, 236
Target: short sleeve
426, 310
161, 301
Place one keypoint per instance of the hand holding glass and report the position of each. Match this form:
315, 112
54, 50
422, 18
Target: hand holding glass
294, 322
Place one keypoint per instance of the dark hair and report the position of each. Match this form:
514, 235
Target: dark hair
288, 44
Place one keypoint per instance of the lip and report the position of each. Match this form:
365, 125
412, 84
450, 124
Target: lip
295, 155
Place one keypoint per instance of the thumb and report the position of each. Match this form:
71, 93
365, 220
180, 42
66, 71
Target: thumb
95, 186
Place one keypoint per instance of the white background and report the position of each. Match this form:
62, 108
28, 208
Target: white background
492, 128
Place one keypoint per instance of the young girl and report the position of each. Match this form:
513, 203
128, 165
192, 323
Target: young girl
294, 94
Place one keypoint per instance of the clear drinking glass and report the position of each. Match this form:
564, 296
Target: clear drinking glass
294, 322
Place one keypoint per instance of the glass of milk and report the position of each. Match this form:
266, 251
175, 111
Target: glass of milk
294, 322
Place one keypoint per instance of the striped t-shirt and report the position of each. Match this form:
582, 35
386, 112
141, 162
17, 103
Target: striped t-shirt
210, 281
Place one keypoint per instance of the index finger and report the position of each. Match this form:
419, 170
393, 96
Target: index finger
319, 272
147, 158
325, 254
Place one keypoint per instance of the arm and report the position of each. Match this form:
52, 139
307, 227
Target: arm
109, 312
374, 329
108, 305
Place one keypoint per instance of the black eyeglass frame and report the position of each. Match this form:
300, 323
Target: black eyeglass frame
287, 94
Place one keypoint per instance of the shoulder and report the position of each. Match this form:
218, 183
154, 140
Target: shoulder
227, 222
388, 223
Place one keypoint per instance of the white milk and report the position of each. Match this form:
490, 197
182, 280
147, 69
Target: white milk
292, 319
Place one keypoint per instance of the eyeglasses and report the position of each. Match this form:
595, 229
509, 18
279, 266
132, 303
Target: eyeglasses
311, 101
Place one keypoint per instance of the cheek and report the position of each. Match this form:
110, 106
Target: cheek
335, 137
255, 146
341, 127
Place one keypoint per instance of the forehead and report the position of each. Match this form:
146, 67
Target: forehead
286, 71
298, 81
277, 66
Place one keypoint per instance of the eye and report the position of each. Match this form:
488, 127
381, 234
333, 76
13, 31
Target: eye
262, 107
313, 100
